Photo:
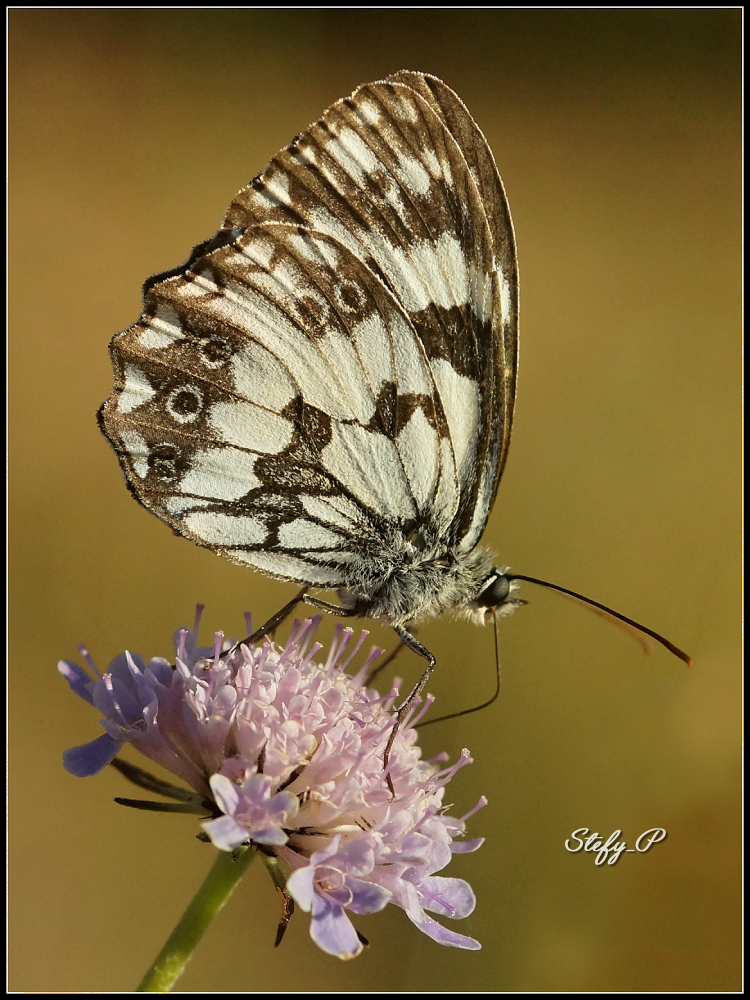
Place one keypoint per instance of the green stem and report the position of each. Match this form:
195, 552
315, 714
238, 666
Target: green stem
218, 886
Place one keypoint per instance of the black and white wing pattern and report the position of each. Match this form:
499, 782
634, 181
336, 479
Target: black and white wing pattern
324, 390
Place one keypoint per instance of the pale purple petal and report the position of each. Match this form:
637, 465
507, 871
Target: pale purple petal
226, 794
325, 853
444, 936
79, 680
331, 929
450, 897
91, 758
367, 897
466, 846
356, 857
301, 887
225, 833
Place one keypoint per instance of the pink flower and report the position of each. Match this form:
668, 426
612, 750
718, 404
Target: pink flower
288, 753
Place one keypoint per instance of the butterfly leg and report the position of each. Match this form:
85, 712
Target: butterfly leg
412, 643
387, 661
408, 640
330, 609
273, 622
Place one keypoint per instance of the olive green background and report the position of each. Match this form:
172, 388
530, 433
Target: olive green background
617, 133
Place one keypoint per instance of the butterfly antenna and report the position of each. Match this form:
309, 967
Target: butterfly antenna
634, 628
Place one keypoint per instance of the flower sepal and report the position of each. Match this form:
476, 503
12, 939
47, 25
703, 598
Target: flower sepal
186, 801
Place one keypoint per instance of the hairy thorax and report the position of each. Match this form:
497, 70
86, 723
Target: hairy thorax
403, 580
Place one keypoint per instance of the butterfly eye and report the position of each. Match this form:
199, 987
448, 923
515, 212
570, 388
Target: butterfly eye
494, 593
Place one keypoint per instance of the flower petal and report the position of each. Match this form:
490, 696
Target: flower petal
79, 680
301, 886
91, 758
450, 897
332, 930
367, 897
444, 936
225, 792
466, 846
225, 833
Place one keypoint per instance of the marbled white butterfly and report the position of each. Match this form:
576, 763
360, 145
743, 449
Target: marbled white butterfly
324, 390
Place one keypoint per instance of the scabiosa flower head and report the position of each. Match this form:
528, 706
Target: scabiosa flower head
287, 753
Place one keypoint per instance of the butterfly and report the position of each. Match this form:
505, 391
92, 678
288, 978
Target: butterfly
324, 390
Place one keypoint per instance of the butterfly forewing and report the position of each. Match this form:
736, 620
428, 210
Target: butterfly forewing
483, 169
382, 172
337, 366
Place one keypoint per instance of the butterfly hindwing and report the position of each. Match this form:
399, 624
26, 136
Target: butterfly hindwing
277, 406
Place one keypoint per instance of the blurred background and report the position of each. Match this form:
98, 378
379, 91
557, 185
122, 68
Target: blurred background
617, 133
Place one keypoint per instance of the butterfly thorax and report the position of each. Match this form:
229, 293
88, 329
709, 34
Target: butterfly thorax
404, 582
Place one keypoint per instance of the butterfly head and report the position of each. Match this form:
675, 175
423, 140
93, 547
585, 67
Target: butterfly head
495, 597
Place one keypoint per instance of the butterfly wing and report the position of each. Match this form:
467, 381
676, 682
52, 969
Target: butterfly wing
276, 405
335, 361
481, 163
402, 175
